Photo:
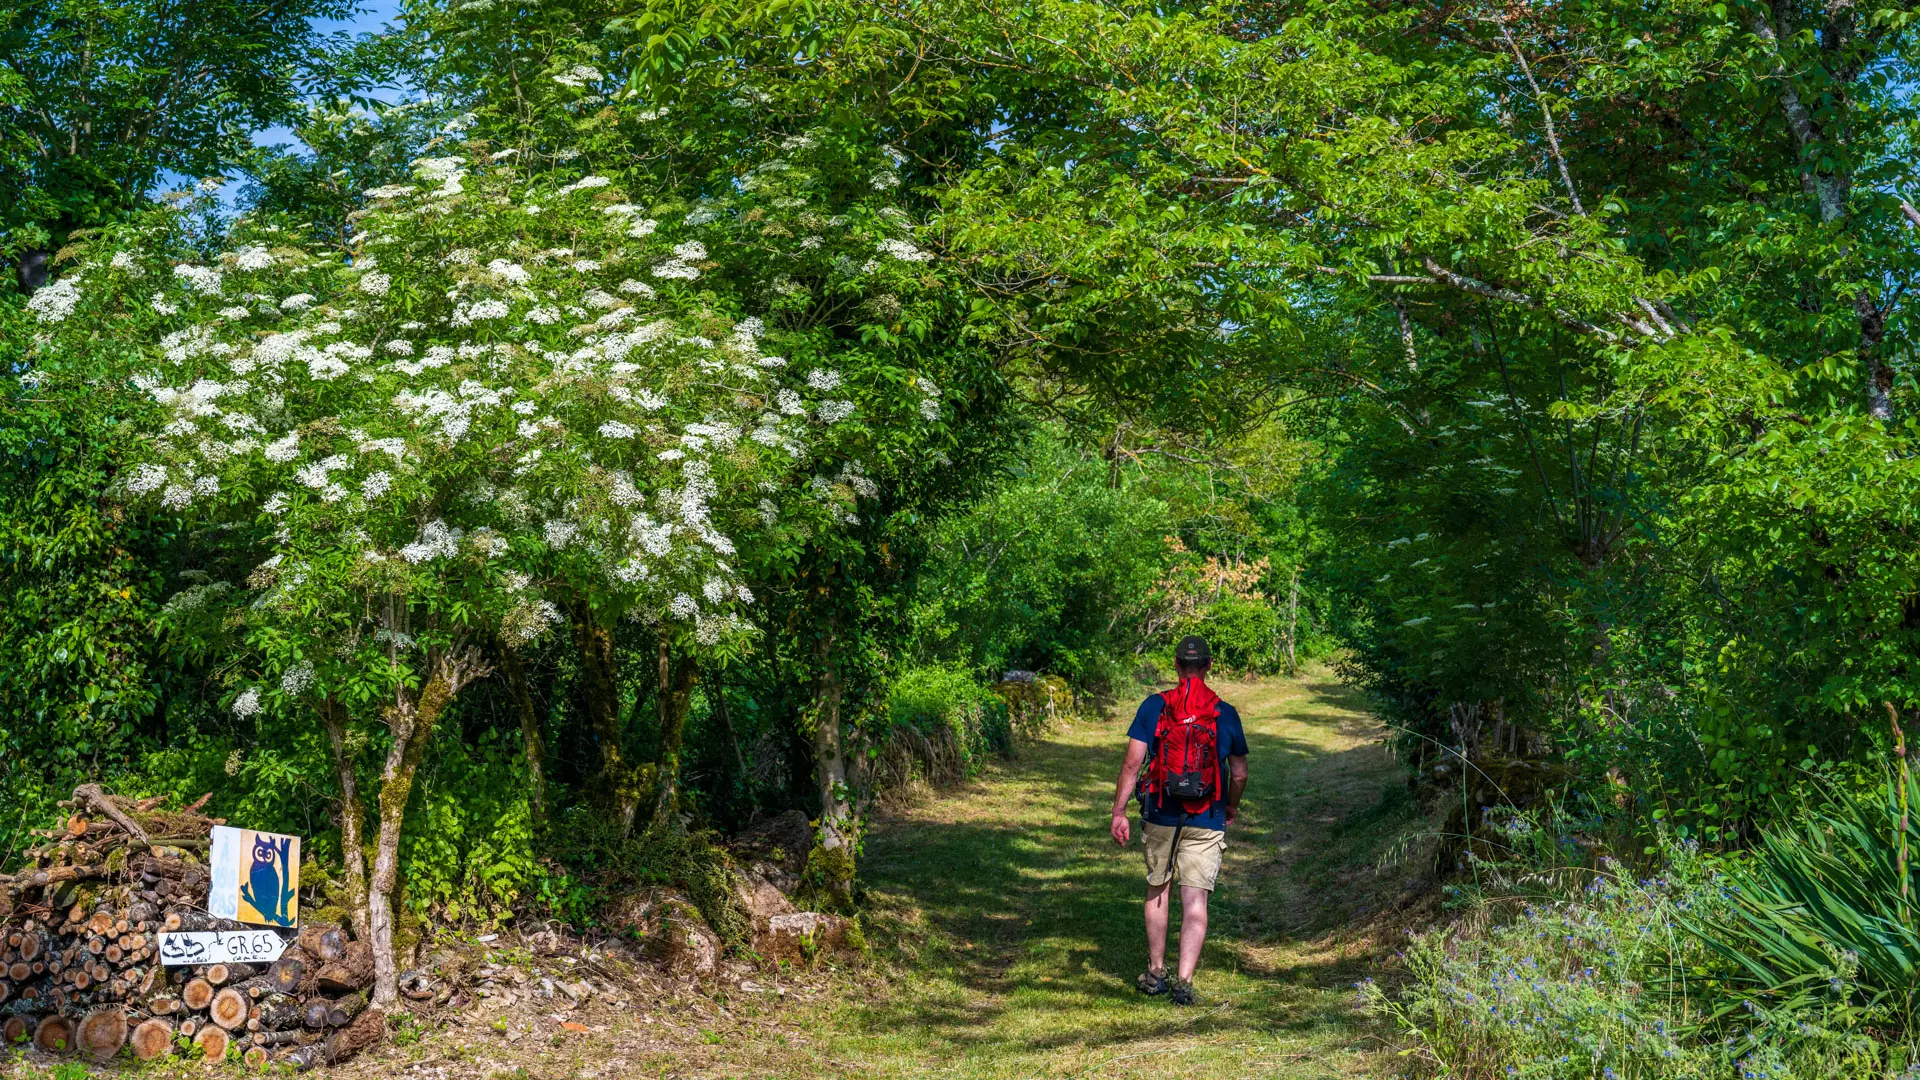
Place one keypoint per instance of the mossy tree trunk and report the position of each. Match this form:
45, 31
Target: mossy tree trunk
353, 814
411, 718
830, 865
532, 740
676, 692
621, 784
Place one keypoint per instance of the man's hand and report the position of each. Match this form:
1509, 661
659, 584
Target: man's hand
1233, 811
1122, 828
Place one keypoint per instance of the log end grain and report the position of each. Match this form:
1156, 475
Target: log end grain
197, 995
212, 1041
152, 1039
229, 1009
102, 1033
54, 1034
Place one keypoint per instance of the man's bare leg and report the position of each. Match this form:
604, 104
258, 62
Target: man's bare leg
1193, 928
1157, 926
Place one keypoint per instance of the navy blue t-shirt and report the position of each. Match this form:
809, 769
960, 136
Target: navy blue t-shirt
1233, 743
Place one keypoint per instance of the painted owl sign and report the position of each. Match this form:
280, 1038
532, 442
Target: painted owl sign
256, 877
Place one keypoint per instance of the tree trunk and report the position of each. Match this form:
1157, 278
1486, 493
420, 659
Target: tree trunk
719, 693
413, 722
535, 744
832, 858
353, 814
619, 781
676, 690
1293, 622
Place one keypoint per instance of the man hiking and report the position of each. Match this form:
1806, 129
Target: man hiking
1195, 754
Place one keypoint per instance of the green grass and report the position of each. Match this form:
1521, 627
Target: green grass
1007, 924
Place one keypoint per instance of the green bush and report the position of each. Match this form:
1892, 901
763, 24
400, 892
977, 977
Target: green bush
944, 725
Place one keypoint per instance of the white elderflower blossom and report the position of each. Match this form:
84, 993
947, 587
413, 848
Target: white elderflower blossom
248, 703
298, 302
833, 412
512, 271
252, 257
235, 312
201, 279
297, 679
390, 191
543, 316
124, 261
614, 429
54, 303
176, 497
790, 403
578, 76
674, 269
468, 314
636, 288
162, 306
930, 408
691, 251
146, 478
585, 183
436, 541
284, 450
683, 606
376, 484
716, 590
904, 251
642, 228
559, 533
823, 379
325, 367
883, 181
375, 284
399, 347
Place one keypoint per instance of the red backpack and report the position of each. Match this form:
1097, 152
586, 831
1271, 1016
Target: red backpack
1186, 747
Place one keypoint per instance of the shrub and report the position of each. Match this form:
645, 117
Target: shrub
1602, 982
944, 727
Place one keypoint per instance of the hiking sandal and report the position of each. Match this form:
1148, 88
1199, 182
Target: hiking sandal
1182, 992
1151, 983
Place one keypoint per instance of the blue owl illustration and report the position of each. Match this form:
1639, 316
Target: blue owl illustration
265, 887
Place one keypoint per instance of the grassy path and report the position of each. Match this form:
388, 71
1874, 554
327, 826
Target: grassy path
1014, 922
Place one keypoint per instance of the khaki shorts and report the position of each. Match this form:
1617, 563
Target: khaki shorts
1199, 860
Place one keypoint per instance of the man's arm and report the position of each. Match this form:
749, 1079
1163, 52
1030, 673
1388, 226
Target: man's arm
1122, 828
1236, 784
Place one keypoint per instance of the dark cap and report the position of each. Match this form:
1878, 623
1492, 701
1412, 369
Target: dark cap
1192, 651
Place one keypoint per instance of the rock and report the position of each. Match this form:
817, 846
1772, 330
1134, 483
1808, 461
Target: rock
800, 936
777, 847
671, 930
760, 899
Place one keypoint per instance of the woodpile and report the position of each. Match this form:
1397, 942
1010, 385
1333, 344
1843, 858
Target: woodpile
80, 963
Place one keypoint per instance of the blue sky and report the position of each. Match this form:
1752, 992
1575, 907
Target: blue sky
373, 15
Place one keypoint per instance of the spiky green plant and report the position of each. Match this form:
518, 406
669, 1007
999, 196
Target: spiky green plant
1823, 909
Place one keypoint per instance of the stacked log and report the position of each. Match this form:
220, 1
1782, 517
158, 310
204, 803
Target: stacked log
80, 964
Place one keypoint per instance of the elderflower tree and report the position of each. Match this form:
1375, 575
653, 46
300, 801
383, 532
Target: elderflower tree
520, 393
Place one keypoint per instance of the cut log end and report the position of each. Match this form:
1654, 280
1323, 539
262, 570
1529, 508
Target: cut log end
229, 1009
256, 1058
197, 995
16, 1030
53, 1035
101, 1034
212, 1041
152, 1039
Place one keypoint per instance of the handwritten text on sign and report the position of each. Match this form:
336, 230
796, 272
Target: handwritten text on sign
182, 948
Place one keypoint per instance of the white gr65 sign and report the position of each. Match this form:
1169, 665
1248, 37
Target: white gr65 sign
183, 948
